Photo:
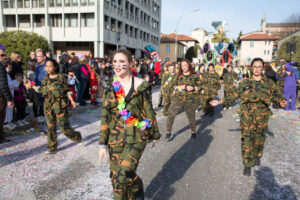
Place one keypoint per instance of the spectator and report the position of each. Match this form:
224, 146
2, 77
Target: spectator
31, 57
93, 84
6, 98
20, 97
72, 85
13, 85
270, 73
64, 64
30, 82
40, 74
145, 68
82, 74
17, 63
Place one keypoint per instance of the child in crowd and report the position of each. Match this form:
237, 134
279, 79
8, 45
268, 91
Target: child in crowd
31, 95
13, 85
72, 85
20, 97
93, 83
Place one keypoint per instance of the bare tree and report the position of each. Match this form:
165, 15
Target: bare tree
293, 18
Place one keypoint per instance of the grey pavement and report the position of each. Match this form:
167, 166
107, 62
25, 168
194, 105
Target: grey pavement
208, 168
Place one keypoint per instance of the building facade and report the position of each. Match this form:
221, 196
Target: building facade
167, 49
253, 45
97, 26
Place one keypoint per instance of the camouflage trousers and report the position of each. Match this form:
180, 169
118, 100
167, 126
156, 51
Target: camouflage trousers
161, 97
253, 127
207, 108
63, 123
124, 159
167, 102
228, 96
175, 107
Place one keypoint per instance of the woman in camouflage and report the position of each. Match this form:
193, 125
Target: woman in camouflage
256, 94
55, 91
127, 123
184, 93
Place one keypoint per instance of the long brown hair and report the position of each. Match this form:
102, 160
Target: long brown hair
125, 53
191, 70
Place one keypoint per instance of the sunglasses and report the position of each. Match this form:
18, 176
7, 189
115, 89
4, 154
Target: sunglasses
2, 55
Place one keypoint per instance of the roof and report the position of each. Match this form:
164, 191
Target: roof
258, 36
166, 39
181, 37
296, 24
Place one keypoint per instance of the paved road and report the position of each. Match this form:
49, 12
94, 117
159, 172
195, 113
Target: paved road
208, 168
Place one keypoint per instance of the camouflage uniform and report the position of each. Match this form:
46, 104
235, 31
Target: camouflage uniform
200, 96
164, 78
54, 92
256, 97
126, 143
211, 85
183, 99
166, 86
229, 80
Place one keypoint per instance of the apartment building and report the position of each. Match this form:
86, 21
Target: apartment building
97, 26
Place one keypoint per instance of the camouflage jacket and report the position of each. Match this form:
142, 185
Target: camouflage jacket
54, 92
164, 82
256, 96
184, 95
211, 83
230, 79
113, 128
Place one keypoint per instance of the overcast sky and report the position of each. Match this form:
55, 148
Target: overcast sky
241, 15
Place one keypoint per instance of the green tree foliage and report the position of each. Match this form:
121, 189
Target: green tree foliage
192, 52
282, 51
22, 42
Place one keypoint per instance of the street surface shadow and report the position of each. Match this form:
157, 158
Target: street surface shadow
175, 168
268, 132
267, 188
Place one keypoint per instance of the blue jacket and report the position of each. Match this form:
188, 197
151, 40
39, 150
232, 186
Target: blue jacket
40, 73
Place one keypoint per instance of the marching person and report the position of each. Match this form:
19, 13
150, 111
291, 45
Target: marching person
211, 85
256, 94
184, 93
230, 79
55, 91
127, 123
167, 87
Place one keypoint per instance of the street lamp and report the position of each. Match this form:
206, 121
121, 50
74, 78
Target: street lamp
189, 12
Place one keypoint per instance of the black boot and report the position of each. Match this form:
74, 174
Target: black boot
193, 136
257, 161
247, 171
140, 195
159, 105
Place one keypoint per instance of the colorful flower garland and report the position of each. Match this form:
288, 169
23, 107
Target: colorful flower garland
126, 115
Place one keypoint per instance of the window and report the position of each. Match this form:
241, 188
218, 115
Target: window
41, 4
268, 52
136, 33
20, 3
113, 25
106, 22
266, 42
24, 21
126, 29
27, 4
10, 20
5, 3
74, 2
83, 2
251, 43
91, 2
168, 49
71, 20
131, 31
67, 2
87, 19
38, 20
56, 20
265, 52
120, 27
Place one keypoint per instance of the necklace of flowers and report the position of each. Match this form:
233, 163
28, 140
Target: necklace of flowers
126, 115
169, 80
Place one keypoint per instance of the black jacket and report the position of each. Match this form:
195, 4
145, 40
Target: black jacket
4, 89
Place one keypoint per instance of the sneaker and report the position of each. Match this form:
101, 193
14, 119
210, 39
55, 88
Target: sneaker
247, 171
197, 110
159, 105
168, 137
80, 142
25, 122
193, 136
230, 108
225, 109
20, 123
51, 151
